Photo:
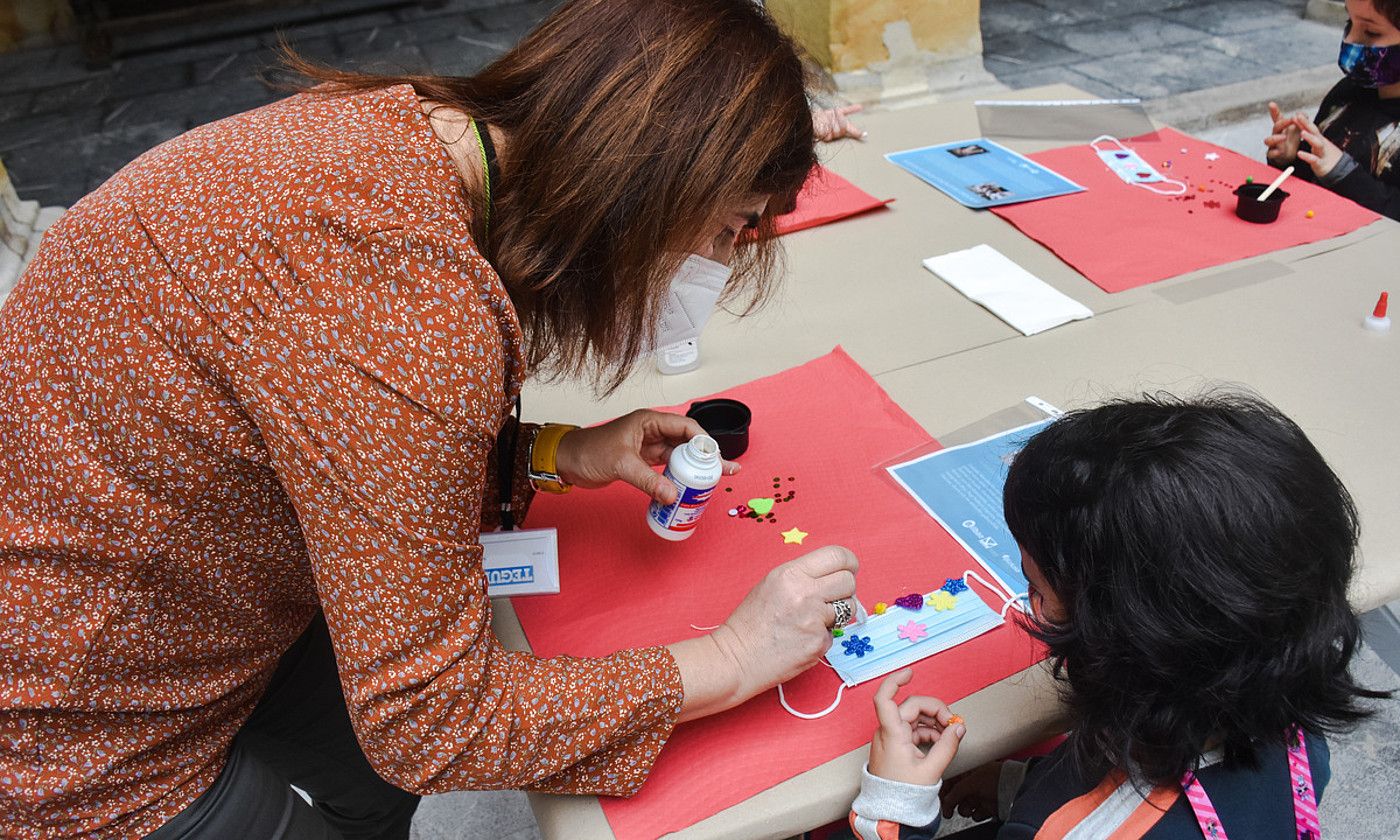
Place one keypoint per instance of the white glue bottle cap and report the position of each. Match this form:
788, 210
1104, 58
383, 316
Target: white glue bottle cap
1378, 320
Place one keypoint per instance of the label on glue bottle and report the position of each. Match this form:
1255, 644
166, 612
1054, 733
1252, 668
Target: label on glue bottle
694, 469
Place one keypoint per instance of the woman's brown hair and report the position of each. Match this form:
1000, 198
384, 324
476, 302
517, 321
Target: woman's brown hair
633, 127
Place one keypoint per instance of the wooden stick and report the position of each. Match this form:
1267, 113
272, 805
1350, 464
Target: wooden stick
1283, 176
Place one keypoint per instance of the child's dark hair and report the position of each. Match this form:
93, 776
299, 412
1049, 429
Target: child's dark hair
1388, 9
1202, 551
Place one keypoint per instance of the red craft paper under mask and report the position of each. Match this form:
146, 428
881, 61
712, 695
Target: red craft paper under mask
818, 430
1121, 236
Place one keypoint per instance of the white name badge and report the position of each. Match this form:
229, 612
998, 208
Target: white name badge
521, 562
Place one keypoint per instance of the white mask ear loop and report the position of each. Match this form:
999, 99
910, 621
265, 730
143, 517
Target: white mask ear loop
1165, 180
1109, 138
813, 716
1006, 600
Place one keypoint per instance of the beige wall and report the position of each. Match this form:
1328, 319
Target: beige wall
853, 35
23, 20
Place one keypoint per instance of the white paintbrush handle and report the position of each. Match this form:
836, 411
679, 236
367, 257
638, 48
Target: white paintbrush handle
1283, 176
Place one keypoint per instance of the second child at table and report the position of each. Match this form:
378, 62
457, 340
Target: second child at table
1188, 566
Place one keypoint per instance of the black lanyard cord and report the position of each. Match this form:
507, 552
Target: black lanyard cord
505, 470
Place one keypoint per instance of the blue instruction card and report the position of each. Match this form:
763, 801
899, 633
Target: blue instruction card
979, 173
961, 488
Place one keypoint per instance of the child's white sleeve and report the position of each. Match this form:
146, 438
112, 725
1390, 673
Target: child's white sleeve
887, 801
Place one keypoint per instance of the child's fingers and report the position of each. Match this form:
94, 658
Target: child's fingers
1274, 112
941, 754
917, 705
1308, 157
885, 709
1317, 141
847, 110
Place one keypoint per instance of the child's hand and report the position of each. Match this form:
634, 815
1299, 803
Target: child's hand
830, 124
894, 751
1324, 155
974, 793
1283, 143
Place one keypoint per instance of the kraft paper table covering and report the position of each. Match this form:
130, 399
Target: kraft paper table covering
901, 318
1122, 236
825, 424
826, 198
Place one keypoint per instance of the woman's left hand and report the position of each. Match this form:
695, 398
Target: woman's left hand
1324, 155
626, 449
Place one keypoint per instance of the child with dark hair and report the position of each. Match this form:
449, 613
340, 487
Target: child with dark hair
1354, 143
1188, 565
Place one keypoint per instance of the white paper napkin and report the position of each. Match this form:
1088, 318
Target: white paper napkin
1010, 292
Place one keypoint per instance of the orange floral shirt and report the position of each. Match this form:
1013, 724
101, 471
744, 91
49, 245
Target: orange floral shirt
261, 372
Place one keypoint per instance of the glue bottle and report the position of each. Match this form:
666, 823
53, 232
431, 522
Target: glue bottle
694, 469
1378, 320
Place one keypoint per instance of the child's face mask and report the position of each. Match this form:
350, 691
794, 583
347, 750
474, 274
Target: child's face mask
1370, 67
1129, 166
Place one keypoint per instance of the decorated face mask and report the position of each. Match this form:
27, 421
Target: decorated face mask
695, 289
1129, 165
914, 627
1371, 67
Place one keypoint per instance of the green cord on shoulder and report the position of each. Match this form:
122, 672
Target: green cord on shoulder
485, 175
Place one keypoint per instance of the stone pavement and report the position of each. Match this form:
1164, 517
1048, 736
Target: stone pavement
1150, 48
64, 129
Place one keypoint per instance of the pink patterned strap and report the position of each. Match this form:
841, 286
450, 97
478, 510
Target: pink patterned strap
1300, 780
1203, 808
1304, 797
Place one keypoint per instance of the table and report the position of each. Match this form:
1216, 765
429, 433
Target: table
1286, 324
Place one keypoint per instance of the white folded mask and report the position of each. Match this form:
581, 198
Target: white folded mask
695, 290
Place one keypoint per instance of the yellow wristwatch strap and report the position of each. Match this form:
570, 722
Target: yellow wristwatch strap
544, 458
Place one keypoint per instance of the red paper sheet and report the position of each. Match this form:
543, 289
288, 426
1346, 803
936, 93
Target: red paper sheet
1120, 236
818, 431
827, 197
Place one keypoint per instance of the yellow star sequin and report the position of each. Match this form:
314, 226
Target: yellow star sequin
796, 535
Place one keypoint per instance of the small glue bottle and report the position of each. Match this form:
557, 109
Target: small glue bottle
1378, 320
694, 469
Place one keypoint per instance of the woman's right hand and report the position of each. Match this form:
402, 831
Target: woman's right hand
780, 629
1283, 142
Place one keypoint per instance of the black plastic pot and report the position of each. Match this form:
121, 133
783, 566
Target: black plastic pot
1251, 209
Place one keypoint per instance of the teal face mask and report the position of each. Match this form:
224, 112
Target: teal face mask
903, 635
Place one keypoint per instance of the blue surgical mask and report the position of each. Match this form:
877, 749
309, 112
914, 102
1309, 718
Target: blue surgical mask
1371, 67
902, 636
1128, 165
